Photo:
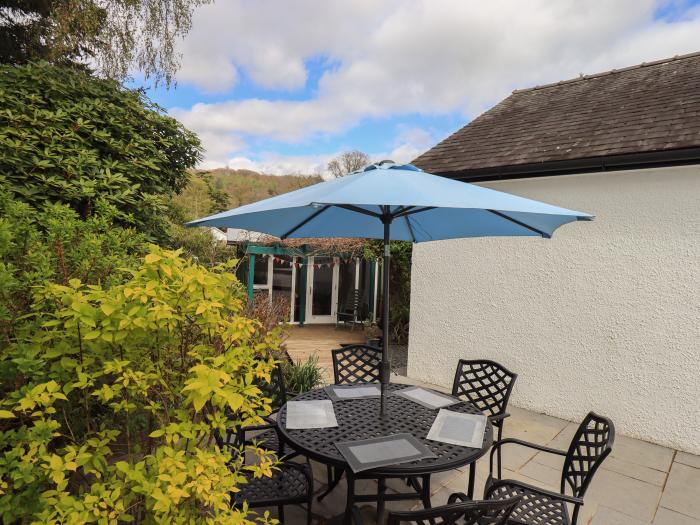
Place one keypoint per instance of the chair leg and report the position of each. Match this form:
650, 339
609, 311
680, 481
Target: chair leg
309, 503
498, 452
425, 491
574, 516
280, 513
472, 477
381, 491
334, 477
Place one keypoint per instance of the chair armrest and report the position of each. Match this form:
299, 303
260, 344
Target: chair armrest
531, 488
515, 441
253, 428
498, 417
457, 496
269, 424
498, 444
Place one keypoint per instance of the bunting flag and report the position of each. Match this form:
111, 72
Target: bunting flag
298, 265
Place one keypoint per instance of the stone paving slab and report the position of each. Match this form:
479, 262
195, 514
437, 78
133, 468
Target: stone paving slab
688, 459
639, 484
682, 492
668, 517
608, 516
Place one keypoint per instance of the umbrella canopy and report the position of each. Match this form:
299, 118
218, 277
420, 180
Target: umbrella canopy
395, 202
424, 207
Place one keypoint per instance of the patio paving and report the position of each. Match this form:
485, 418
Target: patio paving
639, 484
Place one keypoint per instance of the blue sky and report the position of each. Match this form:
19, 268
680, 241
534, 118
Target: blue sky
283, 86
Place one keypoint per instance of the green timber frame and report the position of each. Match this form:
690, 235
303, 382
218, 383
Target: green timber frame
255, 251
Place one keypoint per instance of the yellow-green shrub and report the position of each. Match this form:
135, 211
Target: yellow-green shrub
114, 403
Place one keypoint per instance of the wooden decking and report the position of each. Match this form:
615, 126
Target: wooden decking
320, 340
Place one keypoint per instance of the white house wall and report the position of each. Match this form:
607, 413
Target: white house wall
604, 316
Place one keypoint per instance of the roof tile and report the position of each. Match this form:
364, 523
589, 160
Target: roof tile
645, 108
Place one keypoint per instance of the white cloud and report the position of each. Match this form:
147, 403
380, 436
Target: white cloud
408, 144
218, 146
396, 57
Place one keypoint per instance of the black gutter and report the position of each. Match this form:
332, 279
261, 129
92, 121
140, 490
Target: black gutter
654, 159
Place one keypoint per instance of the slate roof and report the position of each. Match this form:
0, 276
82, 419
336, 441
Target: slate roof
629, 113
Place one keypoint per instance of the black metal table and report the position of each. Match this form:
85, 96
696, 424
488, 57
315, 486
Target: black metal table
360, 419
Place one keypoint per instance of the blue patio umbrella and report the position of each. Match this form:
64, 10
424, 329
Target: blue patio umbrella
395, 202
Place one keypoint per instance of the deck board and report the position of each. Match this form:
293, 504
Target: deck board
307, 340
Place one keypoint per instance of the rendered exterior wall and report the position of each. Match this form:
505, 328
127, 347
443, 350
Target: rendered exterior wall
604, 316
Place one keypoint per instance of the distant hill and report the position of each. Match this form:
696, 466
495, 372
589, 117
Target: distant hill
245, 186
221, 189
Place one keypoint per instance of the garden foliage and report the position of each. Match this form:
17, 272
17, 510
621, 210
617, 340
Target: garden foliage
50, 243
111, 408
68, 137
399, 285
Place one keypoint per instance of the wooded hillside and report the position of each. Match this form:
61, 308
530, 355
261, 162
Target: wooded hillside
222, 189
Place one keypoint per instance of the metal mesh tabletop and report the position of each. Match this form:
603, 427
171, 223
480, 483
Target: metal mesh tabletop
360, 419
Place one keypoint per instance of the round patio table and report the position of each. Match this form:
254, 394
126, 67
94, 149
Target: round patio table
360, 419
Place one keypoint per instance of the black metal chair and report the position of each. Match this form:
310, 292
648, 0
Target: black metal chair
487, 385
459, 510
589, 447
354, 364
290, 483
349, 315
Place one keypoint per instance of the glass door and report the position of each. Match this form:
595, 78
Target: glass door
322, 293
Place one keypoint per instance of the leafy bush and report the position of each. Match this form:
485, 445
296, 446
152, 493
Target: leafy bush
110, 409
302, 377
399, 285
52, 244
271, 313
66, 136
199, 245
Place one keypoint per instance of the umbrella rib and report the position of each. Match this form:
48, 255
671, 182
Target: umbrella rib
414, 210
356, 209
520, 223
410, 228
304, 222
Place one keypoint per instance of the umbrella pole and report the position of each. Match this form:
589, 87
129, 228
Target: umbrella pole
385, 367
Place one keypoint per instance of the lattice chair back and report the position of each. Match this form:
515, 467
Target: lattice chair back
486, 384
465, 513
356, 302
274, 390
232, 440
590, 445
356, 364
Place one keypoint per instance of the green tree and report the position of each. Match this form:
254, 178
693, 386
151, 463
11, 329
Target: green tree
68, 137
111, 409
219, 199
114, 36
